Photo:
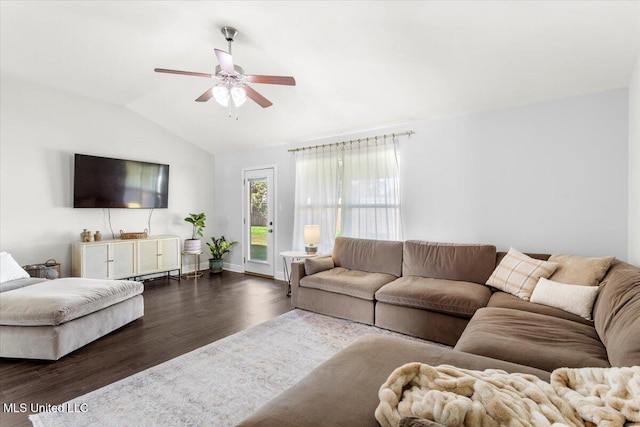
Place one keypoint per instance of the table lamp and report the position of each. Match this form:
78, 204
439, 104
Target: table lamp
311, 238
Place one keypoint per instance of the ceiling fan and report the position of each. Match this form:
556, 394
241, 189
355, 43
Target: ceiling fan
233, 88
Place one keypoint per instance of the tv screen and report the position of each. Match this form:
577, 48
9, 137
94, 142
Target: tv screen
102, 182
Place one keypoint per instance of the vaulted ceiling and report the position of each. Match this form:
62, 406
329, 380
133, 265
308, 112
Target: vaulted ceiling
358, 65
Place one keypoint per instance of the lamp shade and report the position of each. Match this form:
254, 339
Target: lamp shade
221, 94
239, 95
311, 238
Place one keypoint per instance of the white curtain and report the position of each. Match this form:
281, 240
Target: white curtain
350, 190
316, 197
370, 198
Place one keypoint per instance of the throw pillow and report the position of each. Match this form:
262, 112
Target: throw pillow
10, 269
317, 264
518, 274
578, 270
576, 299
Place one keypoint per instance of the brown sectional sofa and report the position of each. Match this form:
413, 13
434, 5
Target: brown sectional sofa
440, 289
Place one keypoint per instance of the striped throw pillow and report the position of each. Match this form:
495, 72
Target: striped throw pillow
518, 274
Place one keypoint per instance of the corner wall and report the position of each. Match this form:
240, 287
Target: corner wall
41, 128
634, 165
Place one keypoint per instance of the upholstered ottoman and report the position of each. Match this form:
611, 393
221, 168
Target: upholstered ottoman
50, 319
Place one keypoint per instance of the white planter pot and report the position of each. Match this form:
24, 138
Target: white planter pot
192, 245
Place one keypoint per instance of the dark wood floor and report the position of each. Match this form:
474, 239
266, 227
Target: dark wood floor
179, 317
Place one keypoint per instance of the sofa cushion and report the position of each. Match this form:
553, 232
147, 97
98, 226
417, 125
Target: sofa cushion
356, 283
440, 295
577, 270
617, 317
58, 301
506, 300
616, 265
318, 264
452, 261
518, 273
576, 299
19, 283
374, 256
532, 339
344, 390
543, 257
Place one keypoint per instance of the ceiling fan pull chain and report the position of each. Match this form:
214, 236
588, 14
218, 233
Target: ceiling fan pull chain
233, 107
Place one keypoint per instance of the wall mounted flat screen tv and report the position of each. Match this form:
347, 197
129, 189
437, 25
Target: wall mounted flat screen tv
102, 182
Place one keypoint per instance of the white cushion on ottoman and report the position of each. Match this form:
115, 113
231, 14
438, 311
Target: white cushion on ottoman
58, 301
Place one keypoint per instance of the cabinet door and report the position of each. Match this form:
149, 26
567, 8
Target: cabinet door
95, 261
170, 250
148, 256
122, 260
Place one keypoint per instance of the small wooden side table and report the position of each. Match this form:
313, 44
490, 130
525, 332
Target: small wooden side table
295, 256
196, 273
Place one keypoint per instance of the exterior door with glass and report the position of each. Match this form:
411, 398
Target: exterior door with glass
259, 230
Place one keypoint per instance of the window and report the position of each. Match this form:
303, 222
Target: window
350, 190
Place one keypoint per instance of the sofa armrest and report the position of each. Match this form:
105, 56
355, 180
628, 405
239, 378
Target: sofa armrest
297, 273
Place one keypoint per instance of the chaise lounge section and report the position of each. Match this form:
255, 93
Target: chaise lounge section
510, 333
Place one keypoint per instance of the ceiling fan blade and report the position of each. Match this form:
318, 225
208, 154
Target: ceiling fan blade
272, 80
205, 96
259, 99
226, 61
185, 73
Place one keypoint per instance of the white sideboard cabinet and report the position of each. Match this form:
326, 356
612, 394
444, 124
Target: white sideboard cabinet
156, 255
120, 259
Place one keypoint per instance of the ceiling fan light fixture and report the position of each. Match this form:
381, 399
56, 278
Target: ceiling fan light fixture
233, 86
239, 95
221, 94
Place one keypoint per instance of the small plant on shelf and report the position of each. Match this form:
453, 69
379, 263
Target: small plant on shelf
218, 250
197, 221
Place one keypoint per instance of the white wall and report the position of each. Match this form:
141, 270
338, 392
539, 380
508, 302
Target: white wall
549, 177
41, 129
634, 165
228, 200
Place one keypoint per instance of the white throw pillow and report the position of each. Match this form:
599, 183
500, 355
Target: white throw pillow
576, 299
518, 273
10, 269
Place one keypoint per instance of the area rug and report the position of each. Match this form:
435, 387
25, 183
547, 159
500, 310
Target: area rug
219, 384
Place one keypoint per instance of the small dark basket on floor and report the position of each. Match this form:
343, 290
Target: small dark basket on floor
50, 269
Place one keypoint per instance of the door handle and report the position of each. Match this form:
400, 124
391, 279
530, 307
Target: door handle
270, 230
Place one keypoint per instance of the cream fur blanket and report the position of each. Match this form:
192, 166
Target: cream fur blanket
459, 397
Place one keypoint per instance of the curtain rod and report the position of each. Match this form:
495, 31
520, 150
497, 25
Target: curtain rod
367, 139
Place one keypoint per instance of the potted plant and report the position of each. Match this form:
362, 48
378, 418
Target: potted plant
197, 221
218, 249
